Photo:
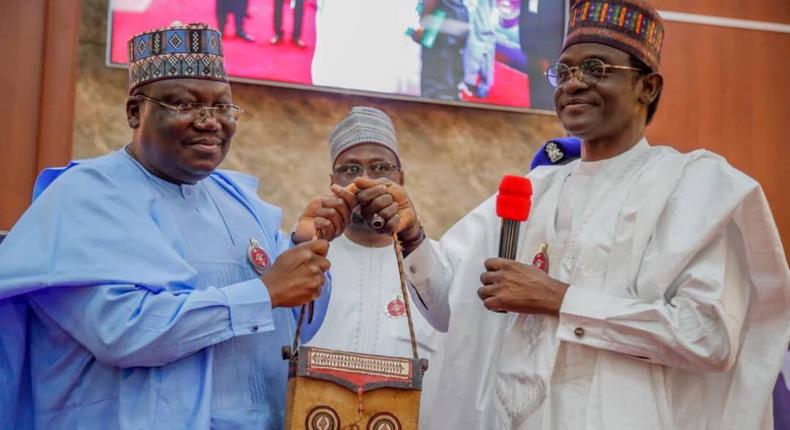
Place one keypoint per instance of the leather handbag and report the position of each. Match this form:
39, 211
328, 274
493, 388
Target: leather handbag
340, 390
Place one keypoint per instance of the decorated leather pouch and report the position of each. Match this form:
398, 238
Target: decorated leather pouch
340, 390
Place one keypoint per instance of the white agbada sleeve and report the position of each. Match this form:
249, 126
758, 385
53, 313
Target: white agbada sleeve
698, 283
446, 275
697, 328
696, 258
429, 277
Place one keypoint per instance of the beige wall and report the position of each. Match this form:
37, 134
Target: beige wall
453, 157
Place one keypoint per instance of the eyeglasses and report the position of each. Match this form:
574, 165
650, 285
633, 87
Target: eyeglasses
590, 71
198, 112
351, 171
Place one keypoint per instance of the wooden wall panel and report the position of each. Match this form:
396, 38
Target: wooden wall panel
758, 10
726, 90
59, 82
39, 39
21, 40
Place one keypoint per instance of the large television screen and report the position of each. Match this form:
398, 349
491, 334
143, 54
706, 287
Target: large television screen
484, 53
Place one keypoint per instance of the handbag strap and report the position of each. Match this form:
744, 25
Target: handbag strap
406, 300
406, 303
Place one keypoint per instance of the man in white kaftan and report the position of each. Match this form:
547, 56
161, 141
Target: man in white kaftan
366, 313
666, 302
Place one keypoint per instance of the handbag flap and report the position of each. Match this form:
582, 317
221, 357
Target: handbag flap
357, 372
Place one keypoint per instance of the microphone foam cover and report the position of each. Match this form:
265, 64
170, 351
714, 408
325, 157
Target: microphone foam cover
515, 198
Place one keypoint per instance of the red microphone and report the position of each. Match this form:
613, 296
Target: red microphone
512, 205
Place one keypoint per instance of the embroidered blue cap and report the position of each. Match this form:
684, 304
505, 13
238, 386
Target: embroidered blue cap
560, 150
178, 51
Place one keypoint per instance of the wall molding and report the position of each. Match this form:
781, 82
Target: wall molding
720, 21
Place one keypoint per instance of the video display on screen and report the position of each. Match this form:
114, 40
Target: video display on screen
486, 53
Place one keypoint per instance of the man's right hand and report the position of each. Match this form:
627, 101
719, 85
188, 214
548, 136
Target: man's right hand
297, 274
328, 214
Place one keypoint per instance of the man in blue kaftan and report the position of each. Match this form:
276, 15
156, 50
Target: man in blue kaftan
145, 289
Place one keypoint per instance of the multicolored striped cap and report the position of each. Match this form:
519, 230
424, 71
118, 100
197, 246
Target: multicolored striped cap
178, 51
632, 26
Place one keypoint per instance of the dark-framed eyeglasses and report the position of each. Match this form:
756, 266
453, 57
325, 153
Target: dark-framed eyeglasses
376, 170
198, 112
590, 71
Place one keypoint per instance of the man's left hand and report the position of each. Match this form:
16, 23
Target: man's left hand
390, 201
516, 287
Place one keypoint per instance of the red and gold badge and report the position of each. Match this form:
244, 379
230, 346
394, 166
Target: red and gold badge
396, 308
541, 259
257, 257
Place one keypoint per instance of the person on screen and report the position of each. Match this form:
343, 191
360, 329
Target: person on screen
443, 30
296, 34
366, 311
239, 10
540, 26
480, 52
659, 294
157, 290
357, 49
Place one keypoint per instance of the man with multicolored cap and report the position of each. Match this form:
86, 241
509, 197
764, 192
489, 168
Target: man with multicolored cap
146, 288
659, 294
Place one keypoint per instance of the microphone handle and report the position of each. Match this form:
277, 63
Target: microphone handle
508, 239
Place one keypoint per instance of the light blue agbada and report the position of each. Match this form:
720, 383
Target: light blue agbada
128, 302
